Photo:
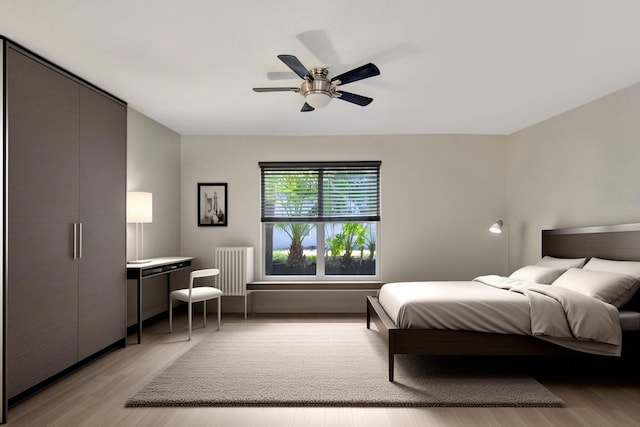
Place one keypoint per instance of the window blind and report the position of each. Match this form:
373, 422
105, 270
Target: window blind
320, 191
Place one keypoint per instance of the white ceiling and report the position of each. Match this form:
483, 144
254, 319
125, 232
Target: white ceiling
447, 66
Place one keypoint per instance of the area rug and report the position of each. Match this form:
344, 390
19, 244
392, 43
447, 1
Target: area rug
330, 364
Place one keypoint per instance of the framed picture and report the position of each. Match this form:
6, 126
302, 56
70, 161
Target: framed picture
212, 204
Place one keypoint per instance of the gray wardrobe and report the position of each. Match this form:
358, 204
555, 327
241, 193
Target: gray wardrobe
66, 229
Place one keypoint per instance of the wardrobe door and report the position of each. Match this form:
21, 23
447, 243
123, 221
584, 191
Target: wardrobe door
42, 309
103, 189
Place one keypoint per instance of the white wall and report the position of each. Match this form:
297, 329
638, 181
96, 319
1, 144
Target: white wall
439, 193
580, 168
439, 196
153, 164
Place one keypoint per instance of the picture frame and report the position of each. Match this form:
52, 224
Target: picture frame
212, 204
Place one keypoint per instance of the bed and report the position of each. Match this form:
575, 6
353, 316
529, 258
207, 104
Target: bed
618, 242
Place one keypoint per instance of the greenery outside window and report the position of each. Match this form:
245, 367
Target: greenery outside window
320, 218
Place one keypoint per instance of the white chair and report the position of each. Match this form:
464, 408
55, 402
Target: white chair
196, 294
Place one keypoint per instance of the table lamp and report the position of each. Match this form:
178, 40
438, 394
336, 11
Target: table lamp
139, 211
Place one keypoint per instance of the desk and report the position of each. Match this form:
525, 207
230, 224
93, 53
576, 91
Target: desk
155, 267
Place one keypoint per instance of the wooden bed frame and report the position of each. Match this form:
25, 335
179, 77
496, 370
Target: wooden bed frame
619, 242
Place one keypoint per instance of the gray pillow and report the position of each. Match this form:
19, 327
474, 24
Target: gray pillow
537, 274
566, 263
613, 288
631, 268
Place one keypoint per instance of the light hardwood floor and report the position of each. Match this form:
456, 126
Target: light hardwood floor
95, 395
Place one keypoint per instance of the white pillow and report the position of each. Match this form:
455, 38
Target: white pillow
613, 288
631, 268
537, 274
566, 263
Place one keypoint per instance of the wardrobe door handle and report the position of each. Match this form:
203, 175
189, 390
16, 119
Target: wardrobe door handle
80, 241
75, 240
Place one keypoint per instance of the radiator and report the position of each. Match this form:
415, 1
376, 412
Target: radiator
236, 269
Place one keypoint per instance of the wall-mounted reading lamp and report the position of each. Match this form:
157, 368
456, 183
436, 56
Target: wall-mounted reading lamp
497, 228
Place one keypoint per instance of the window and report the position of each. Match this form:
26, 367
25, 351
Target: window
320, 218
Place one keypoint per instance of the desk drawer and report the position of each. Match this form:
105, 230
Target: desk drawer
152, 271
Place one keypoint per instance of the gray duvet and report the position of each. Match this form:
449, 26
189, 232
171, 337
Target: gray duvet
497, 304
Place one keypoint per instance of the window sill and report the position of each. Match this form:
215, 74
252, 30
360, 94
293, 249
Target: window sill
372, 285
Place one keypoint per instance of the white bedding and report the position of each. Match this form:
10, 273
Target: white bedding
455, 305
500, 305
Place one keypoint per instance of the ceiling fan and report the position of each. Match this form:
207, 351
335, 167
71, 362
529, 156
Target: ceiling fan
318, 90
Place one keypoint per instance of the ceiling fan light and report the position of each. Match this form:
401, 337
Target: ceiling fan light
317, 99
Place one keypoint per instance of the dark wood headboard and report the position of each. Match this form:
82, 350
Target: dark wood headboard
618, 242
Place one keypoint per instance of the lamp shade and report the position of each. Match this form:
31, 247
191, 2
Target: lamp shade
318, 99
139, 206
497, 227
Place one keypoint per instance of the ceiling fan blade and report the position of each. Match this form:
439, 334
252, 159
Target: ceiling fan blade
281, 75
276, 89
362, 72
306, 107
354, 99
295, 64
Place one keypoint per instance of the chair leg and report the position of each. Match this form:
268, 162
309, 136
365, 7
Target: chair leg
204, 313
190, 314
170, 315
219, 312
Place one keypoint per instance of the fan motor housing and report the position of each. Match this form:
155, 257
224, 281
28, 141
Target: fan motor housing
320, 84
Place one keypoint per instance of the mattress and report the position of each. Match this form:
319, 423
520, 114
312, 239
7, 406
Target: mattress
455, 305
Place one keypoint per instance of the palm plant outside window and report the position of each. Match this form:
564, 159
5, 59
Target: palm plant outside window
320, 218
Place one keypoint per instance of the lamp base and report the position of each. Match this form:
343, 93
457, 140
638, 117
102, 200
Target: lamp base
139, 261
